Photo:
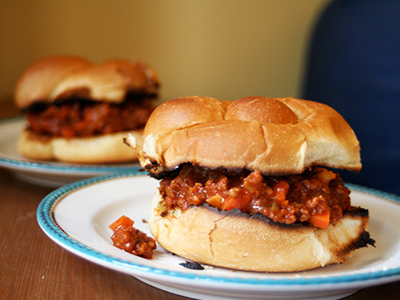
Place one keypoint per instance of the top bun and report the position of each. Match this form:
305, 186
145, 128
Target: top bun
60, 77
276, 136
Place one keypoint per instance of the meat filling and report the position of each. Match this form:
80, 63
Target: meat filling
84, 118
130, 239
318, 196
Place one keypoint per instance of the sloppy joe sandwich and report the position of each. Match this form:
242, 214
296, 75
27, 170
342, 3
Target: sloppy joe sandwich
250, 184
79, 112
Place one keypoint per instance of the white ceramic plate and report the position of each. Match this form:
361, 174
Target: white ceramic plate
77, 217
50, 174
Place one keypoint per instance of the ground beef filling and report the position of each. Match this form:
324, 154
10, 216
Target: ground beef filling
318, 196
130, 239
84, 118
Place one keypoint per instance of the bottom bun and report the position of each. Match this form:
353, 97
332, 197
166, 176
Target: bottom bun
236, 240
107, 148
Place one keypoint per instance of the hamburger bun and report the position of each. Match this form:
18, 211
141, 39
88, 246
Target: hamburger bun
103, 149
60, 80
56, 78
273, 135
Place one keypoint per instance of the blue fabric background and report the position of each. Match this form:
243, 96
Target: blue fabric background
354, 66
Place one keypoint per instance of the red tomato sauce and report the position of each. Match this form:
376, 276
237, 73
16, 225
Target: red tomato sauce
130, 239
83, 119
318, 196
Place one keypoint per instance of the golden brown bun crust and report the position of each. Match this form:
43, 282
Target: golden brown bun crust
108, 148
60, 77
273, 135
236, 240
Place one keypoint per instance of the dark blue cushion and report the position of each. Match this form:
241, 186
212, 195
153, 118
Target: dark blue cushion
354, 66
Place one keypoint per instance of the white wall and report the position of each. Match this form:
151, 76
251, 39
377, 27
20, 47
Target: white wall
221, 48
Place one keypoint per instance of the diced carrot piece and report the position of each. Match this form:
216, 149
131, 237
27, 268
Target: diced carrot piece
231, 203
215, 201
239, 202
122, 221
321, 220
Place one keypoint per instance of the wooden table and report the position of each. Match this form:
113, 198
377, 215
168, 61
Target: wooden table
34, 267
